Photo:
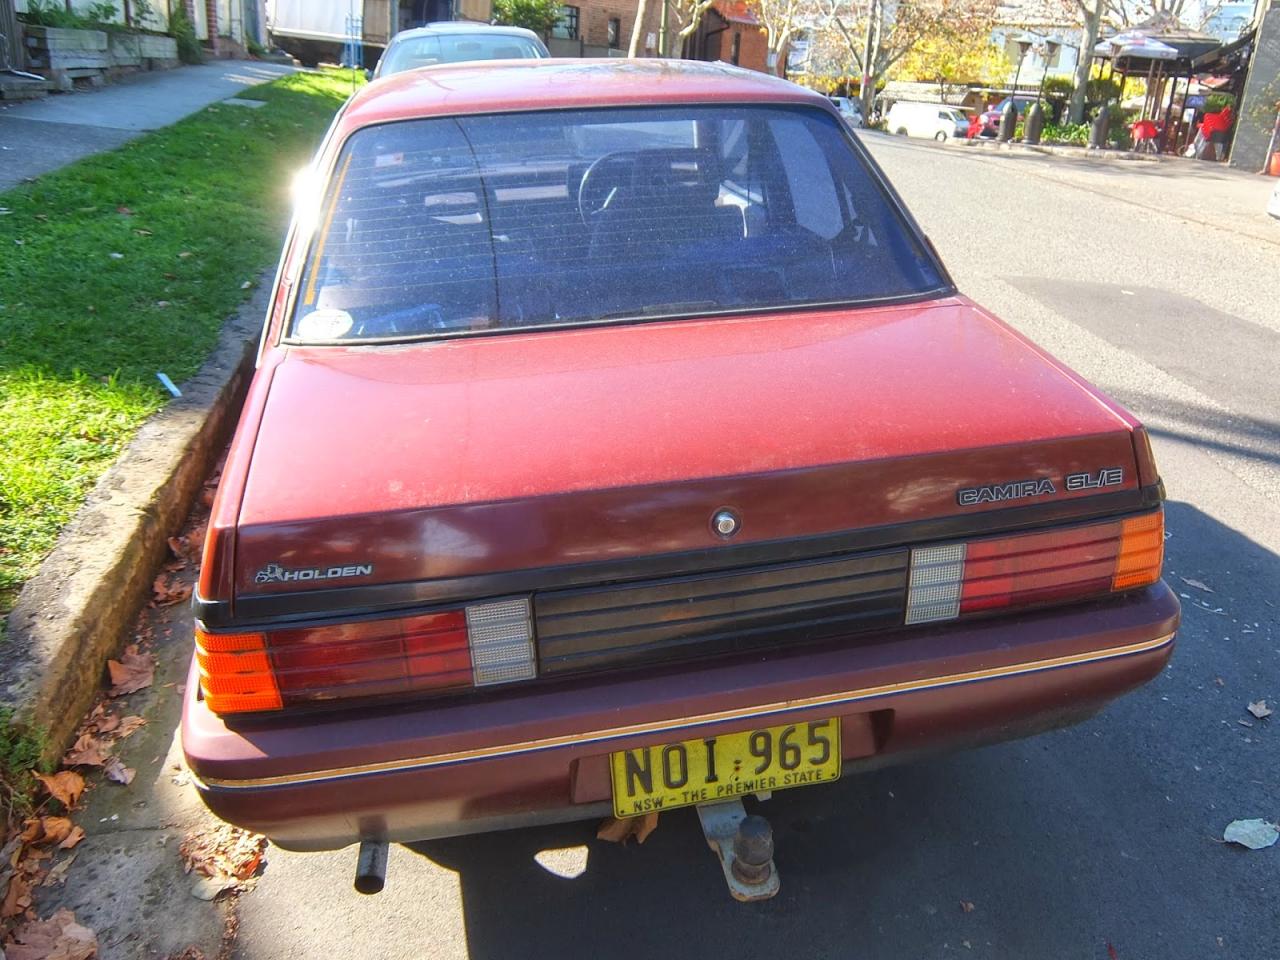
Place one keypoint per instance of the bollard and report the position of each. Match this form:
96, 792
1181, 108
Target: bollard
1098, 129
1034, 124
1008, 121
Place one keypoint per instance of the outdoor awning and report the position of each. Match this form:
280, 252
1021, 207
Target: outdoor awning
1226, 58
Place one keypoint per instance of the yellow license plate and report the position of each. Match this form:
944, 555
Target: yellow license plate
726, 765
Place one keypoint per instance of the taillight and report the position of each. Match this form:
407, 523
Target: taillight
953, 579
480, 644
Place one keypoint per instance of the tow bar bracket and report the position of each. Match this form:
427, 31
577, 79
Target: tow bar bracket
744, 845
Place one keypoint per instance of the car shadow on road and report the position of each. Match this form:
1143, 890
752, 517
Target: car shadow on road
1056, 846
843, 853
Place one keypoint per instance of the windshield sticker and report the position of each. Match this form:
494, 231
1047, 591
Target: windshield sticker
274, 573
325, 324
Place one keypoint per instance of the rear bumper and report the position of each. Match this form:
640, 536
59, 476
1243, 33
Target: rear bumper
538, 755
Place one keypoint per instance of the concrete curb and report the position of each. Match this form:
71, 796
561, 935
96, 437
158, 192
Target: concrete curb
77, 610
1083, 153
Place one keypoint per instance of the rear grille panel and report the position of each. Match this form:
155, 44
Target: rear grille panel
712, 614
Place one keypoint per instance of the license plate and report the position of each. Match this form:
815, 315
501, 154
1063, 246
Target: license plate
726, 765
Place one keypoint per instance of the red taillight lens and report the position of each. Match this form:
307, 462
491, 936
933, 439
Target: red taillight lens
953, 579
1039, 567
380, 656
480, 644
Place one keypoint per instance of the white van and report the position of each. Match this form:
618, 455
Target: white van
935, 121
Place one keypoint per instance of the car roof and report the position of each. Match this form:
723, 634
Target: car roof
495, 86
461, 26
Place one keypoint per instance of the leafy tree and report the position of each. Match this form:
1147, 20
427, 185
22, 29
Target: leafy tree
536, 15
779, 20
878, 34
954, 54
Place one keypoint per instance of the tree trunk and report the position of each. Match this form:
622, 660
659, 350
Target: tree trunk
867, 92
1088, 40
637, 30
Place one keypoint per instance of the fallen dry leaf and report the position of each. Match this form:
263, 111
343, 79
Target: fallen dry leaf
58, 938
17, 898
73, 838
1260, 709
43, 830
65, 787
87, 752
58, 873
131, 672
130, 725
225, 852
167, 591
1254, 834
615, 830
117, 771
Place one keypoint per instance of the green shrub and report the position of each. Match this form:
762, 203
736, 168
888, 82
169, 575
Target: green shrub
1077, 133
51, 13
1216, 102
1099, 89
1058, 86
536, 15
183, 32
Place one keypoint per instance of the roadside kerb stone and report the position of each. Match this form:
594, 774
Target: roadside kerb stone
1082, 153
78, 609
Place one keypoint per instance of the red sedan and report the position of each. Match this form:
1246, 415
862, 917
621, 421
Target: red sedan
618, 442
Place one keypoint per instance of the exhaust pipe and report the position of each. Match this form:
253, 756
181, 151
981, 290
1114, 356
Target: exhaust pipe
371, 866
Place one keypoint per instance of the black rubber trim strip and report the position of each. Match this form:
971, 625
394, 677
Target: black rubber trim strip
349, 602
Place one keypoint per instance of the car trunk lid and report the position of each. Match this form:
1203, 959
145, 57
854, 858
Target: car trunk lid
457, 461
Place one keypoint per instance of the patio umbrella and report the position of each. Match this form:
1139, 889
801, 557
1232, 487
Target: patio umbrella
1134, 44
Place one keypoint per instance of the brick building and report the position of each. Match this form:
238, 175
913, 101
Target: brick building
602, 28
730, 32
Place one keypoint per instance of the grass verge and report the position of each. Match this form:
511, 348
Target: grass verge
120, 266
19, 756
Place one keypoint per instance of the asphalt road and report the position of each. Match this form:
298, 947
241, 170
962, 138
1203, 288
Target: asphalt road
1095, 842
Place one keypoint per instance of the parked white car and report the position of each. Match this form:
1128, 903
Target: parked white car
933, 121
1273, 206
851, 110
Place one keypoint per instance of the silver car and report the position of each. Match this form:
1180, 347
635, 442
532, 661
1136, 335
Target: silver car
851, 110
456, 42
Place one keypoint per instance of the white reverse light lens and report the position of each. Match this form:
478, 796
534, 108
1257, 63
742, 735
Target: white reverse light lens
937, 577
500, 635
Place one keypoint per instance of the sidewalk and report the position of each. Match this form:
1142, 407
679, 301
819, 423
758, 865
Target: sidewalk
42, 135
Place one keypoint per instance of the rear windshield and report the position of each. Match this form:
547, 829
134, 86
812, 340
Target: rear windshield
451, 226
413, 52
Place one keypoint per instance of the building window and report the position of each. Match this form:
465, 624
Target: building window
615, 33
567, 27
736, 48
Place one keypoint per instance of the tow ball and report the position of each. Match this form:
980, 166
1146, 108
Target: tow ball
744, 845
